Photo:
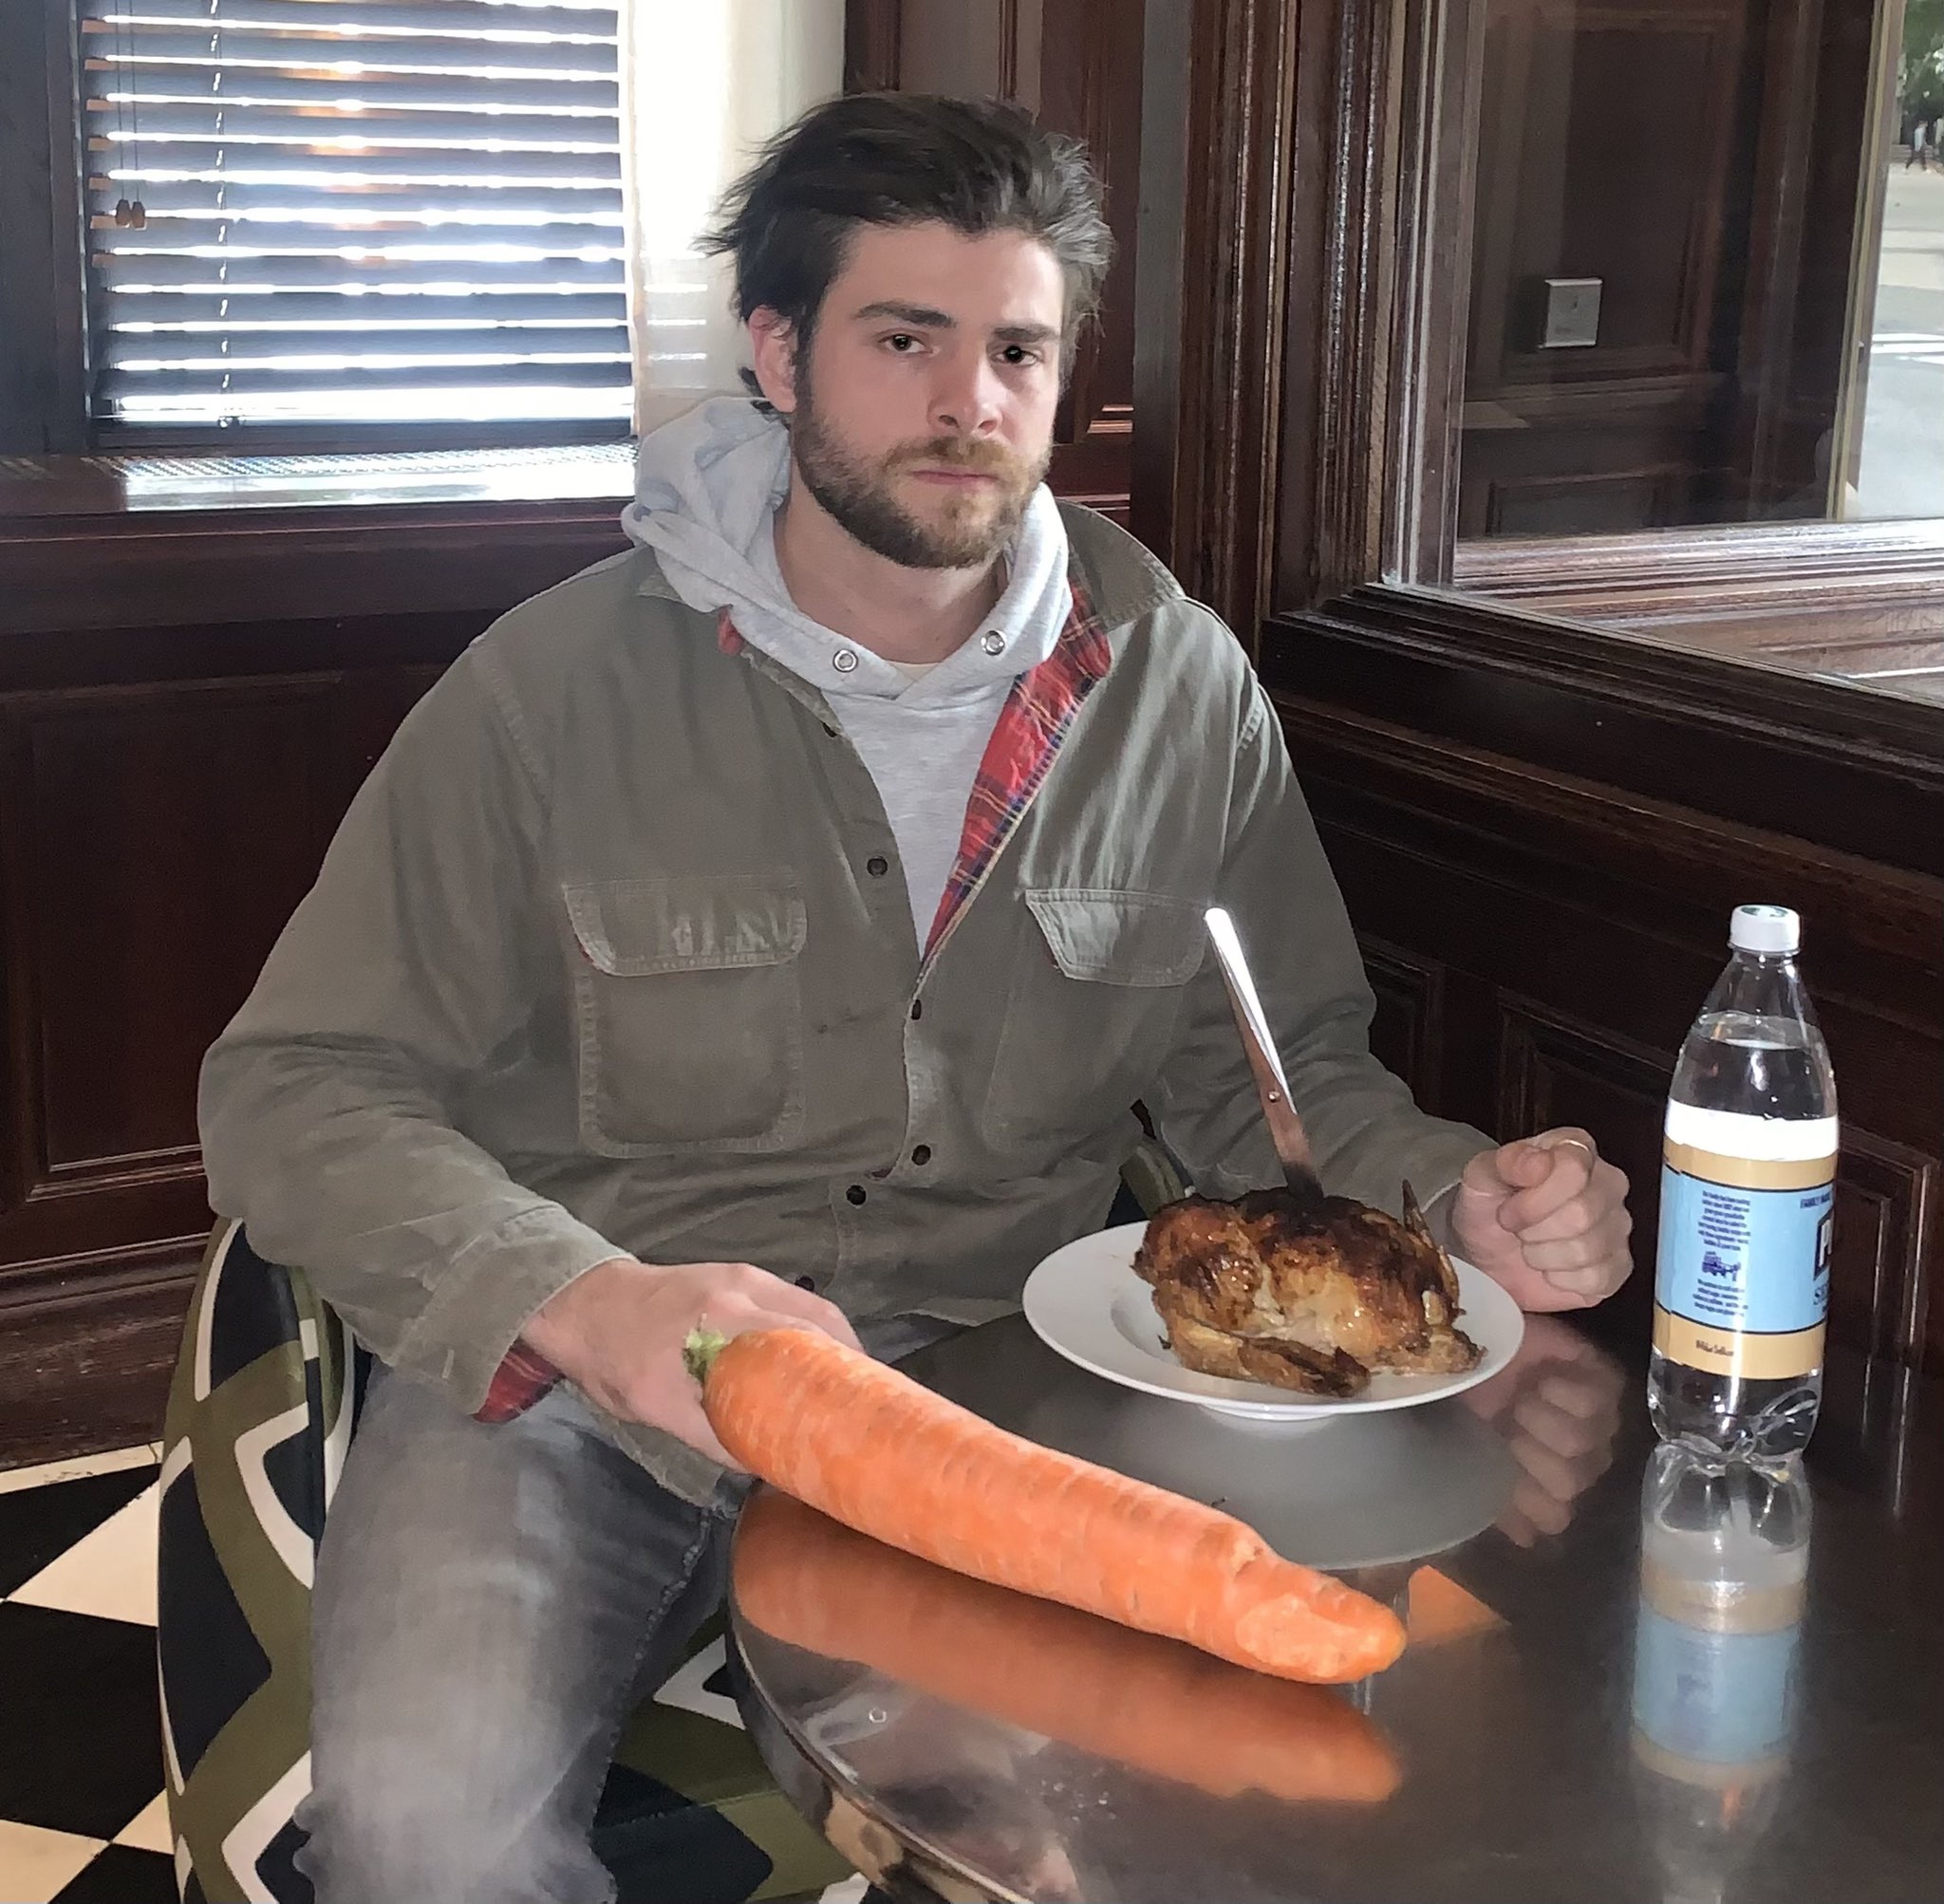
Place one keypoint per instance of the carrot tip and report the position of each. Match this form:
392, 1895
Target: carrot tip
700, 1351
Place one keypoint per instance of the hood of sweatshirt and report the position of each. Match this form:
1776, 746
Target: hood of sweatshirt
708, 487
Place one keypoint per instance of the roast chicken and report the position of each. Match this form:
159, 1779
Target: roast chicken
1315, 1293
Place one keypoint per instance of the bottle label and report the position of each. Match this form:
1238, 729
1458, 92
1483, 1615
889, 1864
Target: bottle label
1714, 1698
1743, 1282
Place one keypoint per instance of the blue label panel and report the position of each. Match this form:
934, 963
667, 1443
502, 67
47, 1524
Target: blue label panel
1720, 1697
1736, 1258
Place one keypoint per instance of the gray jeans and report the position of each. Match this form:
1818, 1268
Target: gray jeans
490, 1601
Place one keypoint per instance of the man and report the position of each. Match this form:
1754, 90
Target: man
775, 926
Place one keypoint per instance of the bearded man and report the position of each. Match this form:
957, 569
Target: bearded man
775, 925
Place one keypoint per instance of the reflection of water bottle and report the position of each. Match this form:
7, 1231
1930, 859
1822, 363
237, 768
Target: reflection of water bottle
1743, 1283
1724, 1558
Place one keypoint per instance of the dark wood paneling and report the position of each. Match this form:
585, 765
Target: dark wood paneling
1408, 1032
127, 572
168, 835
155, 836
1859, 773
1090, 86
166, 792
1618, 163
1219, 118
1568, 931
1614, 165
88, 1366
42, 347
1702, 162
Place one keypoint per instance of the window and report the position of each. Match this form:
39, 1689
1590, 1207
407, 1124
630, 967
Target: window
1705, 281
385, 213
1675, 311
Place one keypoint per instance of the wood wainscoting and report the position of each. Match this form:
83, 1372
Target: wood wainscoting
187, 704
1540, 941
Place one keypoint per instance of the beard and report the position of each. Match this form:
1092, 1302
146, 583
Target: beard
966, 529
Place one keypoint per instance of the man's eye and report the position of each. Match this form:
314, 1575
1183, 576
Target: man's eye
901, 342
1017, 354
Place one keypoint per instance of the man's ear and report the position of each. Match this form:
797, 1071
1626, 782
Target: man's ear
773, 352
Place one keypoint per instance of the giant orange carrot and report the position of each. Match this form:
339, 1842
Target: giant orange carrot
1128, 1696
874, 1449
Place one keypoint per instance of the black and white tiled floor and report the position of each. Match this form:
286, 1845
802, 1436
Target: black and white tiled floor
81, 1818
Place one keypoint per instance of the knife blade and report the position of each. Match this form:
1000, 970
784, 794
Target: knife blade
1265, 1063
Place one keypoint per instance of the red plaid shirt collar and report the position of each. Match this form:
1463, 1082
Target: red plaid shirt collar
1035, 721
1037, 717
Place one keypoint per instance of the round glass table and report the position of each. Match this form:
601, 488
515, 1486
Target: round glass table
1630, 1679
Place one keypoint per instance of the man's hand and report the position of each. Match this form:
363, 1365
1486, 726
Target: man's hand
618, 1333
1548, 1218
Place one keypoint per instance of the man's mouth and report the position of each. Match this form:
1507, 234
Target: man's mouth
955, 478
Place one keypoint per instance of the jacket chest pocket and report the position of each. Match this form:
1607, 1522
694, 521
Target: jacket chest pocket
688, 1012
1096, 999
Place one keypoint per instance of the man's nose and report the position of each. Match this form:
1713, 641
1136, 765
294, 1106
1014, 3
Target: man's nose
966, 400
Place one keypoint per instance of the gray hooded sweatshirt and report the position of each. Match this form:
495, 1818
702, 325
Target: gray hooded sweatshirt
708, 488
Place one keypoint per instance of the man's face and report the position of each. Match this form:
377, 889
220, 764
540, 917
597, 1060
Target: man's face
922, 419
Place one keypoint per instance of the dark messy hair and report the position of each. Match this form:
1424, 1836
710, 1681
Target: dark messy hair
906, 158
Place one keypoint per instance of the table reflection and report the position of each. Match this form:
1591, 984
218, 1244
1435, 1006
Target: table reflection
1724, 1574
1622, 1685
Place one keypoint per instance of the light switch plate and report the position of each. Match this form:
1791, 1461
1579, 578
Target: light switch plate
1572, 314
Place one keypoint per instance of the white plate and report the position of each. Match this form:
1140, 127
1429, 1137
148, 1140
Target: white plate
1085, 1302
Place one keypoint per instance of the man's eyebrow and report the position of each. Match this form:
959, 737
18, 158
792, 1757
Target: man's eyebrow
918, 314
922, 317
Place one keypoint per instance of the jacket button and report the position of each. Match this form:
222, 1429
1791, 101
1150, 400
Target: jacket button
917, 1008
877, 866
922, 1154
856, 1193
805, 1282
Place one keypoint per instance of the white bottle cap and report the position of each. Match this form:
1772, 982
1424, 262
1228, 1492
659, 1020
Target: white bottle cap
1765, 928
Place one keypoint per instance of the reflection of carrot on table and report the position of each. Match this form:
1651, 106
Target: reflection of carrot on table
874, 1449
1129, 1697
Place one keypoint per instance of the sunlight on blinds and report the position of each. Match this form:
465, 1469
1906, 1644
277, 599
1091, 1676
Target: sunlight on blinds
412, 211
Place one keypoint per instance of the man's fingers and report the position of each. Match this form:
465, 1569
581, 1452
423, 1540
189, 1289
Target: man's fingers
1581, 1288
804, 1305
1547, 1512
1570, 1163
1582, 1397
766, 1302
1602, 1199
1568, 1436
1582, 1255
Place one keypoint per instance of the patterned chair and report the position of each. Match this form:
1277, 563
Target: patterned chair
264, 1399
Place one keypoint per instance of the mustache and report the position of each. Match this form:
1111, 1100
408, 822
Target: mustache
961, 452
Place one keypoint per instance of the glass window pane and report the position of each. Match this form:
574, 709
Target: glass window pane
1706, 280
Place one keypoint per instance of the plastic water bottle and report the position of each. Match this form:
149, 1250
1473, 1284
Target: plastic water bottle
1743, 1282
1723, 1572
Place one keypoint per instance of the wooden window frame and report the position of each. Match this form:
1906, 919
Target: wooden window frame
1310, 367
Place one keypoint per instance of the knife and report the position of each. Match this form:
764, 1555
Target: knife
1285, 1127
